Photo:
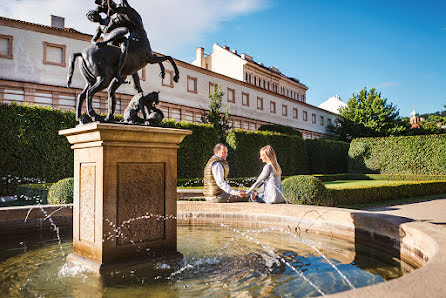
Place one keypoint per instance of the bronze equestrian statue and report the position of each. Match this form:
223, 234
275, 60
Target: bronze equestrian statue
106, 64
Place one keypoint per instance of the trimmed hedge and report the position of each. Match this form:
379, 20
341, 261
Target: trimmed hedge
371, 194
286, 130
33, 193
196, 149
30, 148
244, 147
306, 190
419, 155
326, 156
396, 177
61, 192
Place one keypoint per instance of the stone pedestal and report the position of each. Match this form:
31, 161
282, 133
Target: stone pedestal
124, 193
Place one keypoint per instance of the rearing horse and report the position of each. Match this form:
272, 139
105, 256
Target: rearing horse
99, 63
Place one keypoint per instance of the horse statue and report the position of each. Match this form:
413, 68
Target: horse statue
106, 64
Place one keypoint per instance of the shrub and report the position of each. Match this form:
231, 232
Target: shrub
304, 189
286, 130
244, 147
30, 147
61, 192
419, 155
33, 193
375, 193
327, 156
196, 149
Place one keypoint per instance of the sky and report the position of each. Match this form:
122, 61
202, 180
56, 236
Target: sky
333, 47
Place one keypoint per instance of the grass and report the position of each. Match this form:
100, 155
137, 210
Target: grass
395, 202
340, 184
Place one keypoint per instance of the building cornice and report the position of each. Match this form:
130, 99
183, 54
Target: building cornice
68, 33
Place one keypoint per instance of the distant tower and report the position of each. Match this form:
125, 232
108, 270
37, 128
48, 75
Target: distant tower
414, 119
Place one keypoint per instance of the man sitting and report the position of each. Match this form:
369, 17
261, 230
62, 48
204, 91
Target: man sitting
216, 189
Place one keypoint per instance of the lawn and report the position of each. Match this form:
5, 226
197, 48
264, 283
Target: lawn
340, 184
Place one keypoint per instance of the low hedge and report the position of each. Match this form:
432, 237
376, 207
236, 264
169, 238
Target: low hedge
61, 192
244, 147
419, 155
326, 156
33, 193
371, 194
396, 177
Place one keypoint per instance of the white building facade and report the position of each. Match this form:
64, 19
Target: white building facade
34, 63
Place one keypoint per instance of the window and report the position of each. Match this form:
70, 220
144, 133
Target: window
268, 86
237, 124
175, 114
142, 74
246, 77
191, 84
245, 99
322, 120
231, 95
264, 86
249, 78
168, 79
287, 92
297, 96
272, 107
313, 118
329, 121
259, 103
189, 116
295, 113
303, 97
54, 54
212, 87
284, 110
305, 115
6, 46
255, 80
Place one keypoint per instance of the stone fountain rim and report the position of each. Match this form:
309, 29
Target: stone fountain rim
425, 240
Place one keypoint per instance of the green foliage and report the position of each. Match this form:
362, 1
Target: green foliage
418, 155
368, 115
371, 194
215, 116
196, 149
33, 193
286, 130
61, 192
326, 156
244, 147
306, 190
30, 147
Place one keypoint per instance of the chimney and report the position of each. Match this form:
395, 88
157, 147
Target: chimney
57, 22
200, 57
226, 48
234, 51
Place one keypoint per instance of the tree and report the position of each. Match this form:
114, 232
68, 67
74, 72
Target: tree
215, 116
367, 114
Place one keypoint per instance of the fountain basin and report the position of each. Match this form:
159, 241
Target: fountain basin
420, 244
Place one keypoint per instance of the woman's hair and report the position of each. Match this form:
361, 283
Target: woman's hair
271, 155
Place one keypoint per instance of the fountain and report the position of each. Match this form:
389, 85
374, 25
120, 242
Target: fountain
125, 220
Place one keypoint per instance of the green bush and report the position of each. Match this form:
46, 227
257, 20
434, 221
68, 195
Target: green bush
391, 177
375, 193
196, 149
327, 156
286, 130
244, 147
305, 189
419, 155
33, 193
31, 149
61, 192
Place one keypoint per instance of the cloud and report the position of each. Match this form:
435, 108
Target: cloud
428, 76
172, 25
387, 84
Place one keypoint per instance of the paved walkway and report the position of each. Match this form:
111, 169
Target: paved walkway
432, 211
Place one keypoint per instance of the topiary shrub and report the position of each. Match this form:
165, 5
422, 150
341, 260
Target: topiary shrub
61, 192
286, 130
306, 190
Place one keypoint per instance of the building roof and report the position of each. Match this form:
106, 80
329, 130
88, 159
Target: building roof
332, 104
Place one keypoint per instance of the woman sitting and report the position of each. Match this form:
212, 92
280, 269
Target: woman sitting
270, 178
